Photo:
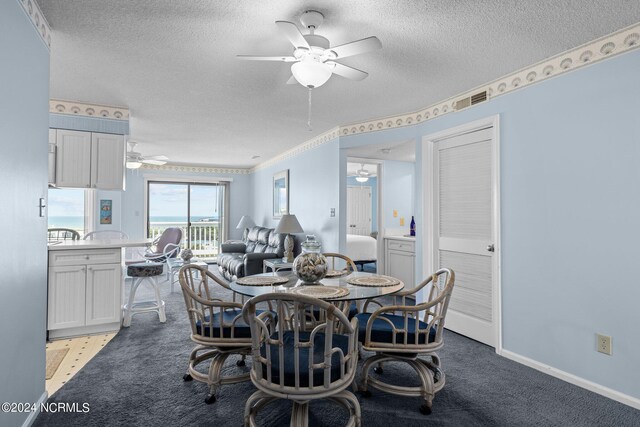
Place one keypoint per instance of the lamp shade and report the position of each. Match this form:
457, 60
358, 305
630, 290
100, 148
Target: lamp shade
289, 224
311, 73
245, 222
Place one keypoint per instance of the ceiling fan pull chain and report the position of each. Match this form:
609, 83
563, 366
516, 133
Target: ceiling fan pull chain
309, 119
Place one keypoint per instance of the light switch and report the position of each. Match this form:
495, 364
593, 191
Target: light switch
401, 221
333, 212
395, 213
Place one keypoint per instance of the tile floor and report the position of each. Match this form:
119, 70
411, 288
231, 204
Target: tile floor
81, 350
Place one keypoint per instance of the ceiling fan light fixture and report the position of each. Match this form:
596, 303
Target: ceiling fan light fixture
362, 178
311, 73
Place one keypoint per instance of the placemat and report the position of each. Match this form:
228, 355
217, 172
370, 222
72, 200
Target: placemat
262, 280
377, 280
322, 292
336, 273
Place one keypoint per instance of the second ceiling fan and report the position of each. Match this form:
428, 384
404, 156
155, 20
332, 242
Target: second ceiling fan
314, 60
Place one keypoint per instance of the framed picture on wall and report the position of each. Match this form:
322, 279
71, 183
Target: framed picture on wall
105, 211
280, 193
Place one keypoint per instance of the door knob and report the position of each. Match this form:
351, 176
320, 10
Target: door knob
491, 248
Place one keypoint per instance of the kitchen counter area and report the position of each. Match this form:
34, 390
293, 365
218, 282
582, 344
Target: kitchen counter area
85, 286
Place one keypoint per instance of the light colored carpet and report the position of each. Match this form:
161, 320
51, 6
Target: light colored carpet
54, 359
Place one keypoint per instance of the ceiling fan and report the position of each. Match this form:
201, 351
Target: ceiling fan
362, 175
314, 61
136, 159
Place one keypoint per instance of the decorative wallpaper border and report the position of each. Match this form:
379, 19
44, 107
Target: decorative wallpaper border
196, 169
314, 142
619, 42
90, 110
38, 20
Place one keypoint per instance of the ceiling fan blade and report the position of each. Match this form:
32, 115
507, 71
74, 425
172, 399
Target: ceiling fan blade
348, 72
292, 32
292, 81
154, 161
267, 58
357, 47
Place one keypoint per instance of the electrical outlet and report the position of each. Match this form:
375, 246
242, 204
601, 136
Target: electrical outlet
603, 344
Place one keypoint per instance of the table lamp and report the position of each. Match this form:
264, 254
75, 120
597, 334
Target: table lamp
245, 223
288, 224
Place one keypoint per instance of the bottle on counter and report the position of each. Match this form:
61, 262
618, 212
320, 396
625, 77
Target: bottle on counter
412, 230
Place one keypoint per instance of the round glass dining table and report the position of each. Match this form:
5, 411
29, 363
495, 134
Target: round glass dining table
356, 292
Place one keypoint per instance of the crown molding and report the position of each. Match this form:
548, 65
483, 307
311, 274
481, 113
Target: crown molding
38, 20
196, 169
310, 144
608, 46
88, 110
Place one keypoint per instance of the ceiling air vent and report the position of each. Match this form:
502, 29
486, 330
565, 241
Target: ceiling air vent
471, 100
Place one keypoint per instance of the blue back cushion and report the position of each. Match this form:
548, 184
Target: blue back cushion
381, 330
316, 352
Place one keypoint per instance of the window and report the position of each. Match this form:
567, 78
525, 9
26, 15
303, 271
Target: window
67, 209
199, 209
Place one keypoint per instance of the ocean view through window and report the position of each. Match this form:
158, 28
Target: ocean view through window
199, 209
66, 209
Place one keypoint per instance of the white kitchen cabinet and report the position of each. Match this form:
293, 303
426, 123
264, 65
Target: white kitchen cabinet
400, 260
84, 291
52, 157
89, 160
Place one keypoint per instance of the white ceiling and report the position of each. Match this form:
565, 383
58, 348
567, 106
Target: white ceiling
173, 63
404, 151
353, 168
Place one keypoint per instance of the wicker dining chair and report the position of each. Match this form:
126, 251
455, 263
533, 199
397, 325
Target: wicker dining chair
301, 360
217, 327
399, 333
345, 265
54, 234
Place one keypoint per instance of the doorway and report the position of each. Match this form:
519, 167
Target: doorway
464, 229
199, 209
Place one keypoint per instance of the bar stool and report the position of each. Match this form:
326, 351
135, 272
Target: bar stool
141, 272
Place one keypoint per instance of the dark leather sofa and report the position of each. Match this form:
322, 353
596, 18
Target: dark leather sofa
245, 258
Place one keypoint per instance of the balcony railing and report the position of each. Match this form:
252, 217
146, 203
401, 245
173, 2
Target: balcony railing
203, 238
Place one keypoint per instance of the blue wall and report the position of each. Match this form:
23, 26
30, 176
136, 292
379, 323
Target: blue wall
398, 188
24, 112
88, 124
373, 183
570, 150
313, 191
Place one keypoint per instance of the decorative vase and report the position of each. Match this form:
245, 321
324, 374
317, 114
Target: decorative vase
186, 255
310, 266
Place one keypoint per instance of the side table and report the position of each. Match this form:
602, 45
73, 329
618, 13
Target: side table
276, 264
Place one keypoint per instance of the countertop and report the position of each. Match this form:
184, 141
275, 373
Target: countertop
406, 238
98, 244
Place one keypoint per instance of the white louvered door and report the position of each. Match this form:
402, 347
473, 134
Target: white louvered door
463, 215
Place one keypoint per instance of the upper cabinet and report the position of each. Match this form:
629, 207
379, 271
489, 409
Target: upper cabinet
89, 160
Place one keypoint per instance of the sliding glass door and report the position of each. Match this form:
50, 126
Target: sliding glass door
199, 209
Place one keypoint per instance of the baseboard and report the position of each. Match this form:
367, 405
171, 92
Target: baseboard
34, 414
634, 402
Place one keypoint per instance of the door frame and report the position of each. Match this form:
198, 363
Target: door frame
212, 181
380, 208
428, 232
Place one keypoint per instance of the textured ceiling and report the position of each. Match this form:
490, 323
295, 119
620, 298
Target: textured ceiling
173, 63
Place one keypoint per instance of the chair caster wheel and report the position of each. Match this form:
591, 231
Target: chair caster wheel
210, 399
187, 377
425, 409
378, 370
240, 362
365, 393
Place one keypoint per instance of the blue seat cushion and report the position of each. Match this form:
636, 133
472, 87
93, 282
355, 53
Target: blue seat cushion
145, 269
381, 330
316, 352
240, 328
